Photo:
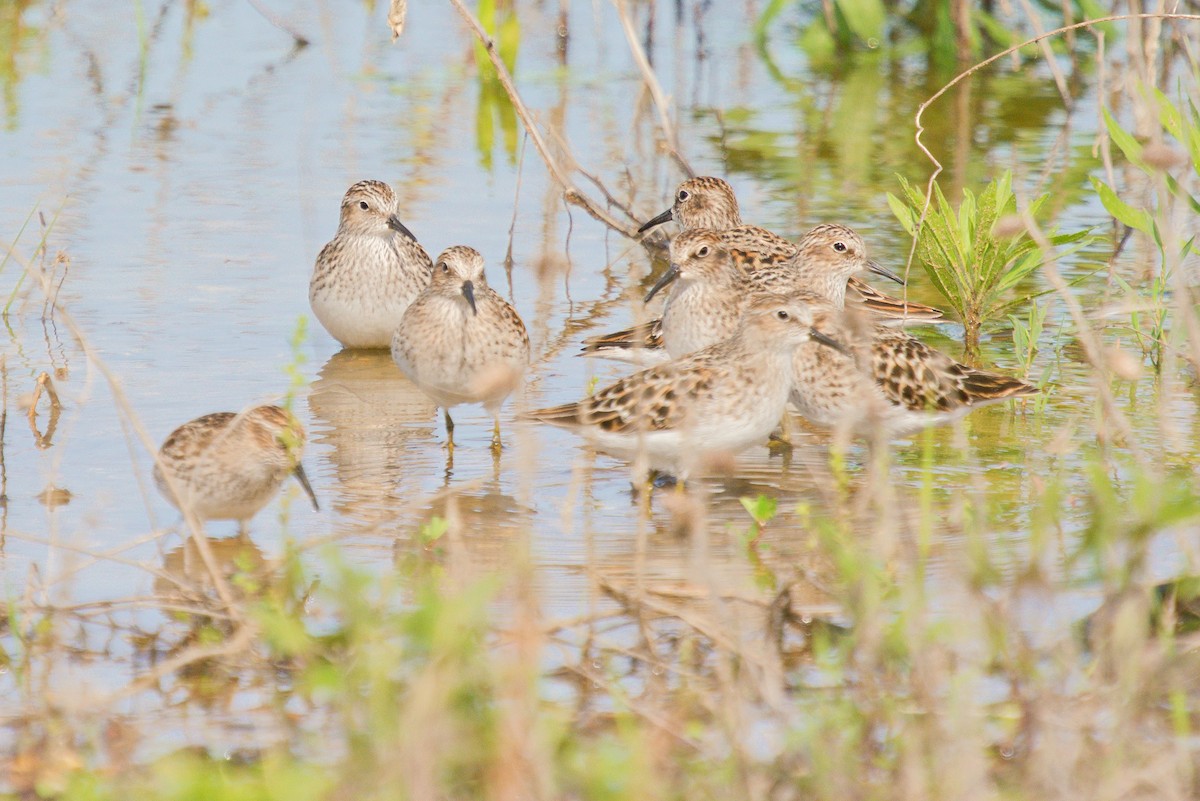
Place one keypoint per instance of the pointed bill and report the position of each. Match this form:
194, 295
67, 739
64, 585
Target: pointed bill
302, 477
670, 275
659, 220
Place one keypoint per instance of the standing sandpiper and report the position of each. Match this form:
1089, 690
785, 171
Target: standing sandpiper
460, 342
720, 400
228, 466
371, 270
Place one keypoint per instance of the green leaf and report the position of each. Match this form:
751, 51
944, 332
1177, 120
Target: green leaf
864, 18
509, 41
762, 508
1138, 219
767, 16
1124, 140
906, 216
817, 42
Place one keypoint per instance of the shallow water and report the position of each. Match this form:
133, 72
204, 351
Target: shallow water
192, 165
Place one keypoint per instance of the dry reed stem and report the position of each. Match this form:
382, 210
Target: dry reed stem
299, 39
656, 93
106, 556
1048, 55
1087, 337
571, 193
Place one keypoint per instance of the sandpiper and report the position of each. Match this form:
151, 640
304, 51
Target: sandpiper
716, 279
677, 416
228, 465
460, 342
888, 379
709, 202
371, 270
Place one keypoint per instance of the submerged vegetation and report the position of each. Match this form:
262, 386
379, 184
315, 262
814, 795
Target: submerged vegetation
1003, 609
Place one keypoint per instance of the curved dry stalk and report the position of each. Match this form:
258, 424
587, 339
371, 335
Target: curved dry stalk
571, 193
241, 639
656, 92
986, 62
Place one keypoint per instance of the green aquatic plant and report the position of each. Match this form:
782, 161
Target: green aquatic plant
1148, 321
949, 32
974, 263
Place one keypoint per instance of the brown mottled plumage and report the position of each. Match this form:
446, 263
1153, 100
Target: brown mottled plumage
228, 466
894, 380
709, 202
716, 279
459, 341
371, 270
718, 400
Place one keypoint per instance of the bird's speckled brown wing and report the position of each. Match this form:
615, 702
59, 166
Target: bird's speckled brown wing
646, 335
753, 248
862, 295
917, 377
656, 399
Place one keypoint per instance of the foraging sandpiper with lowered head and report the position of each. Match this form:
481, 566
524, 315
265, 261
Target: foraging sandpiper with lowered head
460, 342
371, 270
888, 380
228, 465
679, 416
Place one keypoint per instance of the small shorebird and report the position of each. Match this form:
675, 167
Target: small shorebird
709, 202
460, 342
892, 380
678, 416
371, 270
713, 283
717, 278
228, 465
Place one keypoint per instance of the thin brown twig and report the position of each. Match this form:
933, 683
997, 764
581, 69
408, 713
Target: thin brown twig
1087, 338
1044, 45
656, 92
571, 193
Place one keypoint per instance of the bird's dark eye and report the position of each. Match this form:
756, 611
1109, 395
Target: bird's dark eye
840, 247
702, 251
782, 315
683, 195
362, 204
444, 267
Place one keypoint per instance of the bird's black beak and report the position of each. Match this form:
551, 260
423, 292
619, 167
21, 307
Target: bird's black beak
879, 269
828, 341
395, 224
302, 477
468, 290
659, 220
670, 275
